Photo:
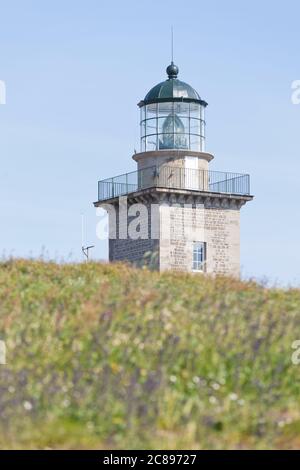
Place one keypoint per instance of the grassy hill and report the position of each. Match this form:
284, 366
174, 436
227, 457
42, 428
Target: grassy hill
102, 356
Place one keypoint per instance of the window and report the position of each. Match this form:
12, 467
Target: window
199, 256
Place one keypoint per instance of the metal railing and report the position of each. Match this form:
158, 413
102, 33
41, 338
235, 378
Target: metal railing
175, 178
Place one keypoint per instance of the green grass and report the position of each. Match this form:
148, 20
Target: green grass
107, 356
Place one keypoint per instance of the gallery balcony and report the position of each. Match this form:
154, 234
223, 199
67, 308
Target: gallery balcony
172, 177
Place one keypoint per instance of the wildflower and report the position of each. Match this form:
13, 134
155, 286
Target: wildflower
90, 426
215, 386
212, 400
233, 397
27, 405
173, 379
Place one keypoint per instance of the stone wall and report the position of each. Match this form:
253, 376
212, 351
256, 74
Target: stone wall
166, 232
222, 235
139, 251
218, 228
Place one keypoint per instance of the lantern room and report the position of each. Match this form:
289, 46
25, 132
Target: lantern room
172, 116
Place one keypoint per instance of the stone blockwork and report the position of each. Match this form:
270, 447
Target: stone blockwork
133, 241
219, 228
164, 225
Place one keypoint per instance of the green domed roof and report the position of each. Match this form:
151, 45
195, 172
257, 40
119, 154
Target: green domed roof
172, 89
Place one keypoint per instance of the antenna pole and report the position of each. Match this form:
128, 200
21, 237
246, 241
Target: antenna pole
172, 44
85, 251
82, 230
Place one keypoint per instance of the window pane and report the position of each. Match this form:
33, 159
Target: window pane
202, 131
143, 144
195, 143
164, 109
166, 141
143, 113
151, 143
181, 109
181, 125
202, 113
143, 128
202, 147
195, 110
195, 126
161, 121
199, 254
151, 126
181, 141
151, 110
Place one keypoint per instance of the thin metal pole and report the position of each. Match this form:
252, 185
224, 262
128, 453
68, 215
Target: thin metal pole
172, 44
82, 230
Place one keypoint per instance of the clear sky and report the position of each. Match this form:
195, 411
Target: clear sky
74, 72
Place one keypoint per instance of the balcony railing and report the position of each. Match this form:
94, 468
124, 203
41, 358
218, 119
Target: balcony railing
174, 178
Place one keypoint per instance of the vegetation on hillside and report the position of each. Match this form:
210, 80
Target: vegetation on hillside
107, 356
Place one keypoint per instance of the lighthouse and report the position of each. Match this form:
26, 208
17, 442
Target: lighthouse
174, 212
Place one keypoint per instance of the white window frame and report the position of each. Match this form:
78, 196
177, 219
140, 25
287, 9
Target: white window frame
199, 257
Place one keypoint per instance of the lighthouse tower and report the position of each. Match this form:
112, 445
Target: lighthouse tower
173, 212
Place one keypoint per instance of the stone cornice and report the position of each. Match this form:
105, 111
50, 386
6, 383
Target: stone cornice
210, 200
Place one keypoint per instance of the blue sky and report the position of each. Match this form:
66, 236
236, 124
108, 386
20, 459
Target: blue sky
74, 72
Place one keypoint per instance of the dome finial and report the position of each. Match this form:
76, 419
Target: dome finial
172, 70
